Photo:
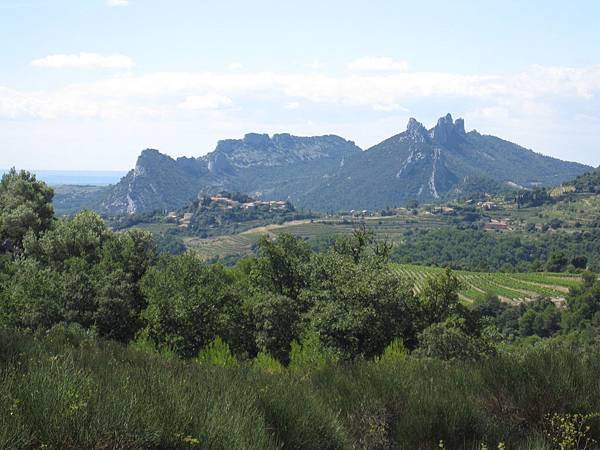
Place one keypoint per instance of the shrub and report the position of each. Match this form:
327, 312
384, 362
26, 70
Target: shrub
310, 353
393, 353
217, 353
267, 363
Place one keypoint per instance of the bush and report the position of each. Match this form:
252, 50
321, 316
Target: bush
216, 353
449, 340
393, 353
310, 353
266, 363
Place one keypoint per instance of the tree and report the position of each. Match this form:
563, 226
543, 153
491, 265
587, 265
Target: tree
439, 297
81, 237
450, 339
189, 303
557, 263
125, 258
92, 273
583, 308
358, 309
541, 318
281, 265
362, 244
276, 318
580, 262
25, 206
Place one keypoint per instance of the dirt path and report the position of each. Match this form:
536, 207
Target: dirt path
274, 226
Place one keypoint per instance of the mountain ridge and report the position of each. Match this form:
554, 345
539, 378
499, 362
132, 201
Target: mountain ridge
331, 173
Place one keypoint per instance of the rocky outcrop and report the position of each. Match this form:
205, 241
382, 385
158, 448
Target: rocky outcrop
271, 167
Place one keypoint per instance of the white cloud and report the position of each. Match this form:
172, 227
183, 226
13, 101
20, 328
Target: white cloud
537, 91
84, 60
118, 2
292, 105
208, 101
378, 64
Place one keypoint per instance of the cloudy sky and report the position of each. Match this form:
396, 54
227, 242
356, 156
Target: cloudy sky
88, 84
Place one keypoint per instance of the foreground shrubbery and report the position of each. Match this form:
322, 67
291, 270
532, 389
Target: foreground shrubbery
64, 389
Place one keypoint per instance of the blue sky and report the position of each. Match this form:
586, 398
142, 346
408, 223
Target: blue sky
87, 84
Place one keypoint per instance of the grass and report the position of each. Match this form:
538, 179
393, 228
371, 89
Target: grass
67, 391
509, 286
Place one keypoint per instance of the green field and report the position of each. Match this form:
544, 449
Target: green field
222, 246
390, 228
513, 287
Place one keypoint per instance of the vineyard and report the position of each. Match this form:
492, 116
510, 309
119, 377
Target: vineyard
236, 245
388, 228
513, 287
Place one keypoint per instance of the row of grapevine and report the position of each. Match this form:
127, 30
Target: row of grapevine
508, 286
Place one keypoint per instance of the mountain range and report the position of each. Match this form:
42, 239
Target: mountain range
331, 173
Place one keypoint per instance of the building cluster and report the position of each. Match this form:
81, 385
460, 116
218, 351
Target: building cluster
229, 203
183, 221
487, 206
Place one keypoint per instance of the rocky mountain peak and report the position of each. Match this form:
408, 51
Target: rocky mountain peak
151, 157
447, 131
416, 130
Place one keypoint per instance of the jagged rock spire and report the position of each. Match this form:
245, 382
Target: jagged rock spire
447, 130
416, 130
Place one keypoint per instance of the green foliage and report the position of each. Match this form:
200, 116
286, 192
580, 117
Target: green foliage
532, 198
440, 296
557, 263
64, 390
25, 206
587, 183
451, 339
266, 363
57, 394
216, 353
468, 249
354, 314
393, 353
540, 318
189, 303
310, 353
276, 319
80, 272
472, 249
583, 308
282, 264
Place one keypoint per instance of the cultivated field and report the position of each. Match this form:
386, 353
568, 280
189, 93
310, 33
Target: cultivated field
511, 287
390, 228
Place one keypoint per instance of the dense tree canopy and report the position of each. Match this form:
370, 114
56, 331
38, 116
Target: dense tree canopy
288, 303
25, 206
